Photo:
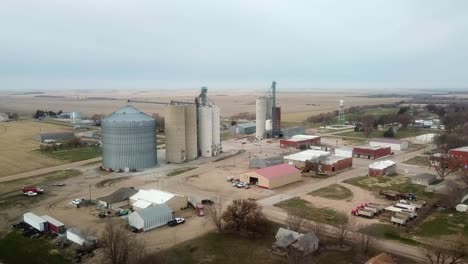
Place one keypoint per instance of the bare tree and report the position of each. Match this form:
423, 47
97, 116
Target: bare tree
315, 165
454, 194
295, 219
120, 247
447, 252
367, 124
463, 174
343, 225
216, 216
444, 164
367, 242
240, 212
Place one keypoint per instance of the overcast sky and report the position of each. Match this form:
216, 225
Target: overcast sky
109, 44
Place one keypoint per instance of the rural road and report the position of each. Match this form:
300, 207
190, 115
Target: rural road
47, 170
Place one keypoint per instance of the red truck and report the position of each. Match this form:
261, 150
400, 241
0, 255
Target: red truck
32, 189
199, 208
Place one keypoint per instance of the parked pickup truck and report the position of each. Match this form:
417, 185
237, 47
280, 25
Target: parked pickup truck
176, 221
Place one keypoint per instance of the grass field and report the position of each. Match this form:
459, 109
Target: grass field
418, 160
17, 147
402, 133
180, 171
375, 112
448, 222
396, 183
334, 192
15, 248
388, 232
325, 215
73, 154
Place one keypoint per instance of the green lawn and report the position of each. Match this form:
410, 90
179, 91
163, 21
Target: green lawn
334, 192
74, 154
15, 248
388, 232
374, 111
180, 170
401, 133
325, 215
448, 222
418, 160
396, 183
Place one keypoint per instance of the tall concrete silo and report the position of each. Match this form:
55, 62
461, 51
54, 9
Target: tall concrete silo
205, 131
260, 117
128, 140
175, 133
216, 130
191, 148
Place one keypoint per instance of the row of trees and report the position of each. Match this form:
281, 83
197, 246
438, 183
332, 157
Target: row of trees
46, 113
243, 115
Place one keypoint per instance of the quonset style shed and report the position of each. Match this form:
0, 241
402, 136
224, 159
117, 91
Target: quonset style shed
128, 140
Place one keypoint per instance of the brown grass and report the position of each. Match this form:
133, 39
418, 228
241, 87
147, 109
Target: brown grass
17, 145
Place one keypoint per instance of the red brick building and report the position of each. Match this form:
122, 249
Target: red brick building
382, 168
300, 142
368, 152
334, 163
461, 155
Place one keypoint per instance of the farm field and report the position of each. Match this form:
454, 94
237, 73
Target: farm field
73, 154
418, 160
325, 215
17, 151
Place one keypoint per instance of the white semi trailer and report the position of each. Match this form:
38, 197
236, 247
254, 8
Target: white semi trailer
35, 221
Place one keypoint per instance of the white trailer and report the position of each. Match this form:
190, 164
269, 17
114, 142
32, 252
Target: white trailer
408, 207
412, 214
400, 219
370, 208
418, 205
380, 207
75, 236
364, 212
35, 221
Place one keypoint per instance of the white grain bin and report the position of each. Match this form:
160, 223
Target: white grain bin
260, 117
175, 133
35, 221
268, 125
205, 130
191, 148
216, 130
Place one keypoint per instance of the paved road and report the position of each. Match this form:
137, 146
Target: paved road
48, 170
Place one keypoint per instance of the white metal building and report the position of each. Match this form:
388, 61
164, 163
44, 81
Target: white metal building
299, 159
344, 152
151, 217
382, 168
147, 198
394, 144
426, 138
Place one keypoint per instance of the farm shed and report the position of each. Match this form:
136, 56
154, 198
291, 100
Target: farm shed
262, 161
244, 128
344, 152
423, 179
54, 225
35, 221
382, 168
300, 142
299, 159
460, 154
146, 198
150, 217
273, 176
369, 152
57, 136
394, 144
117, 199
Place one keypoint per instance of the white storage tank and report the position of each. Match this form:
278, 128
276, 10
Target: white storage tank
175, 133
260, 117
216, 130
269, 125
205, 130
191, 148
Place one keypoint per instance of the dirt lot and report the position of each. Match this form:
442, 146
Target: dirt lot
17, 144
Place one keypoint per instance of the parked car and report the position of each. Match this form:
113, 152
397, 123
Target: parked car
76, 201
30, 193
207, 202
176, 221
59, 184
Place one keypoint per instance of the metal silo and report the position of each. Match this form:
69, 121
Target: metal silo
191, 151
175, 133
260, 117
205, 130
128, 140
216, 130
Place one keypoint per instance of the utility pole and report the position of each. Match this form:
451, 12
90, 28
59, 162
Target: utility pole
90, 192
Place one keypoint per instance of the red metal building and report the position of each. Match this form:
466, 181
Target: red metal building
368, 152
334, 163
461, 155
300, 142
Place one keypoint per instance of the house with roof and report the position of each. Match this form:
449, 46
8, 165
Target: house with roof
382, 168
369, 152
150, 217
146, 198
302, 244
273, 176
300, 142
117, 199
394, 144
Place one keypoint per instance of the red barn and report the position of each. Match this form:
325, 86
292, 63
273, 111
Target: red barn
368, 152
460, 154
300, 142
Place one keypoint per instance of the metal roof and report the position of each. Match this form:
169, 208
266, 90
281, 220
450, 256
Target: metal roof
153, 196
121, 194
127, 114
277, 171
380, 165
298, 138
464, 149
331, 159
307, 155
155, 211
386, 140
282, 232
246, 125
34, 217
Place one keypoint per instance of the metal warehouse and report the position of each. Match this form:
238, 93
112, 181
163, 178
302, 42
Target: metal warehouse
117, 199
367, 152
300, 142
460, 154
146, 198
244, 128
394, 144
299, 159
128, 140
273, 176
382, 168
151, 217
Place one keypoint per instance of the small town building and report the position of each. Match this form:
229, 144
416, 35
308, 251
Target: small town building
299, 159
243, 128
333, 163
292, 131
146, 198
300, 142
426, 138
344, 152
4, 117
394, 144
382, 258
369, 152
304, 244
117, 199
273, 176
382, 168
259, 161
150, 217
54, 225
424, 179
461, 155
56, 136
